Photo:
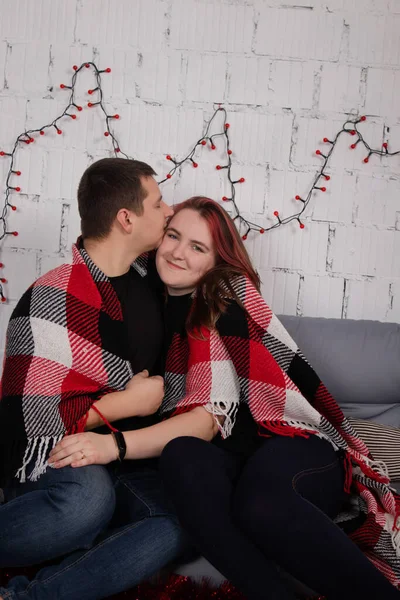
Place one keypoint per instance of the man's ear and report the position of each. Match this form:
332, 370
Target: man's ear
124, 219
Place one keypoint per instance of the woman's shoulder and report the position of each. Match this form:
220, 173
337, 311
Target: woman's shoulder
233, 321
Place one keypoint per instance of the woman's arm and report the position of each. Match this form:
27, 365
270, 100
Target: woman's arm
149, 442
84, 449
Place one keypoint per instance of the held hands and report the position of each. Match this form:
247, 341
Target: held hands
144, 394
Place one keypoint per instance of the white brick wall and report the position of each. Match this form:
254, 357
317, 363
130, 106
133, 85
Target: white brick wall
288, 72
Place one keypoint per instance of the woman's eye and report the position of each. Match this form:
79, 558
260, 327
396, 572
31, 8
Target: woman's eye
197, 248
172, 236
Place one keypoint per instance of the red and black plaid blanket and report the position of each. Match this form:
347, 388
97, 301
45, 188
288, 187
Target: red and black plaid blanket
62, 353
251, 358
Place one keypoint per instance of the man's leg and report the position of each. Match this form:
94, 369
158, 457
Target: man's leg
122, 557
63, 511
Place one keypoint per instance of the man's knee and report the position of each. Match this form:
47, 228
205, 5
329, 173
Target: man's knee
85, 499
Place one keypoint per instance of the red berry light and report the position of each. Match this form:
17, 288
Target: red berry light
327, 177
385, 145
218, 167
87, 65
168, 157
363, 118
41, 132
90, 92
203, 142
326, 139
117, 149
14, 233
59, 131
79, 108
224, 198
195, 165
13, 208
62, 86
73, 117
3, 299
2, 153
276, 213
213, 147
108, 70
366, 159
318, 152
242, 180
323, 189
298, 197
301, 225
18, 173
3, 280
1, 265
352, 132
353, 146
227, 125
106, 133
90, 104
169, 176
244, 237
116, 117
229, 152
75, 68
262, 230
17, 189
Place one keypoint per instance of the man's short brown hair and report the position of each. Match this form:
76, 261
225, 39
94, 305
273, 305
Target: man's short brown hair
107, 186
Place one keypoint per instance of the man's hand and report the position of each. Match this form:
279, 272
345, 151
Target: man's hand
141, 397
144, 393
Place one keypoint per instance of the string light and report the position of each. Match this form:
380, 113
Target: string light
27, 138
349, 128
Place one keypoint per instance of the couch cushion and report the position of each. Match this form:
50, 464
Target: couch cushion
357, 360
383, 442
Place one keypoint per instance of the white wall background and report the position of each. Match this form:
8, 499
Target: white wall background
288, 72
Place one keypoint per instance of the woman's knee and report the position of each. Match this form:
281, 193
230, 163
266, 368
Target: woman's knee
181, 454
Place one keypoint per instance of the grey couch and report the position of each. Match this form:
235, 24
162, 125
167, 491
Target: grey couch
359, 362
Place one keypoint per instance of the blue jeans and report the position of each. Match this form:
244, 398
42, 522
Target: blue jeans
141, 538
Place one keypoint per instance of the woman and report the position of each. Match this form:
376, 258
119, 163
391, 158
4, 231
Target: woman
282, 457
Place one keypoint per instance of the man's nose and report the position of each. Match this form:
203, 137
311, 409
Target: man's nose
168, 210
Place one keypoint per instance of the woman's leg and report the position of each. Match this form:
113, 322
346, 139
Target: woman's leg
287, 494
122, 557
64, 510
199, 478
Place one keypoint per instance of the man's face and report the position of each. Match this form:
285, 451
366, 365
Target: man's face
150, 226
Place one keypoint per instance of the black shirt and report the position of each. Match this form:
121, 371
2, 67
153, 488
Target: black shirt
244, 439
143, 333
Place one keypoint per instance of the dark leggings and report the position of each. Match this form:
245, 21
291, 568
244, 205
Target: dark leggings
277, 507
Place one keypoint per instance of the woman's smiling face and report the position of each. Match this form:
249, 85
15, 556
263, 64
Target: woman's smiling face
186, 252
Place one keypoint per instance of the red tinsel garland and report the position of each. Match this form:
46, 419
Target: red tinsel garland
175, 587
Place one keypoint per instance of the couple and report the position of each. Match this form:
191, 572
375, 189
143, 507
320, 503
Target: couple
249, 457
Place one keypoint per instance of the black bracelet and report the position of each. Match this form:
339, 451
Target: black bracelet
121, 444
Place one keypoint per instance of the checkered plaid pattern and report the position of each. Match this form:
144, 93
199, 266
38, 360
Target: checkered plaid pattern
251, 358
61, 356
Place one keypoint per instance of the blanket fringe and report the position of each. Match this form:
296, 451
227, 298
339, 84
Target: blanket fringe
284, 429
37, 450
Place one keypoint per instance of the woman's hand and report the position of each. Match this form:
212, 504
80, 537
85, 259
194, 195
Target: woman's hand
82, 449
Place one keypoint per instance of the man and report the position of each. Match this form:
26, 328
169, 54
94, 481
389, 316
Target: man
74, 342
